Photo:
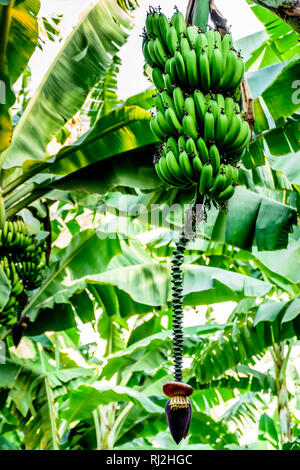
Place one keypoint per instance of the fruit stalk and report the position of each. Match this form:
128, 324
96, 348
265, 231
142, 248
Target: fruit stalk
187, 234
201, 14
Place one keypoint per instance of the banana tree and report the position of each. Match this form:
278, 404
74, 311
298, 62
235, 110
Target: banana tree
114, 159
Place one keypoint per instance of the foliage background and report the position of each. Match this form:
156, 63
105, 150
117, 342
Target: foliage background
89, 373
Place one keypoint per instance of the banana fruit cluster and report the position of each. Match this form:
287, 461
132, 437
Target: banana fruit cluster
22, 260
198, 118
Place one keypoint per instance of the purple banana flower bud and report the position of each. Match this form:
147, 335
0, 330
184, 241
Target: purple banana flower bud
17, 330
179, 413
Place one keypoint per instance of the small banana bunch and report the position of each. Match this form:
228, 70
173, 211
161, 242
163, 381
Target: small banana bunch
198, 116
22, 261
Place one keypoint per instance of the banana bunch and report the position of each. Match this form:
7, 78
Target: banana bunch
198, 118
22, 261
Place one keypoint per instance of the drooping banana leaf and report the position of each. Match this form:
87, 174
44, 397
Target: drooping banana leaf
19, 36
245, 340
23, 36
84, 59
68, 273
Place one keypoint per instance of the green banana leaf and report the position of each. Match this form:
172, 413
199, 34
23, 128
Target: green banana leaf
252, 220
127, 357
85, 399
246, 340
132, 272
86, 255
23, 36
277, 43
83, 60
255, 217
22, 28
122, 130
5, 288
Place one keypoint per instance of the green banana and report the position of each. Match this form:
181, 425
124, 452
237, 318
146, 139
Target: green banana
203, 64
173, 71
189, 126
189, 106
186, 167
238, 75
158, 79
161, 176
178, 99
214, 108
191, 147
155, 24
200, 104
229, 175
181, 143
216, 68
192, 69
209, 126
203, 151
163, 124
243, 137
218, 185
149, 24
178, 21
226, 194
157, 131
174, 167
164, 27
167, 100
172, 145
160, 52
184, 48
152, 54
167, 174
146, 54
205, 179
201, 42
218, 40
227, 44
220, 101
168, 84
214, 158
181, 68
233, 131
172, 120
197, 166
235, 175
159, 103
229, 110
221, 128
192, 35
210, 36
172, 40
229, 71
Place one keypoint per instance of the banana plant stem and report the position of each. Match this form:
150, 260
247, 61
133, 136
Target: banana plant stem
18, 195
24, 177
201, 14
37, 194
97, 429
280, 365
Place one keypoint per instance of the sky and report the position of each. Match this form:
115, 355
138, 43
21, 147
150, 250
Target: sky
131, 79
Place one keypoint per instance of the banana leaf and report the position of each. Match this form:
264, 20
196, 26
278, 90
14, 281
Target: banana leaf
82, 61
